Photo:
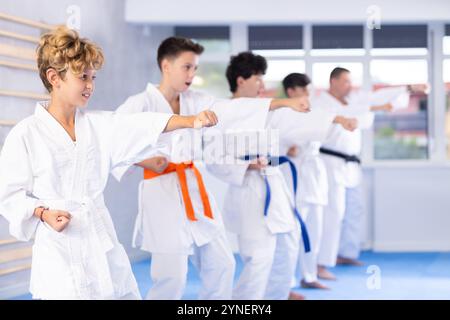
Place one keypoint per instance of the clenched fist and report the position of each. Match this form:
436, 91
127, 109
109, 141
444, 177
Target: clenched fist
57, 219
300, 104
205, 118
349, 124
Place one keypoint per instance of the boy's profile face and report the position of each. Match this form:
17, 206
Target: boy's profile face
180, 71
251, 87
76, 89
298, 92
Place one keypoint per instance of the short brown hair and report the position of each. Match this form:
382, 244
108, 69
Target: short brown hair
62, 49
173, 46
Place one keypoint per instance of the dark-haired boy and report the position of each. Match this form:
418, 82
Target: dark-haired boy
259, 205
179, 219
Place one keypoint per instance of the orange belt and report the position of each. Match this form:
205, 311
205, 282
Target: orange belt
180, 168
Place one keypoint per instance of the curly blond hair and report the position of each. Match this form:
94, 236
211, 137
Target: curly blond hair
62, 49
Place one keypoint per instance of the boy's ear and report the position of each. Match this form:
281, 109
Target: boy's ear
165, 63
53, 77
239, 81
289, 92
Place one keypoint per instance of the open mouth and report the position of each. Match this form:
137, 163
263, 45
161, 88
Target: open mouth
86, 95
188, 83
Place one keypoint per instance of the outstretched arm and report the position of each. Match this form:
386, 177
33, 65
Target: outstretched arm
205, 118
297, 104
384, 107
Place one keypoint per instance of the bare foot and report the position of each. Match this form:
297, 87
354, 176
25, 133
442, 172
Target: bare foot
349, 262
323, 273
296, 296
313, 285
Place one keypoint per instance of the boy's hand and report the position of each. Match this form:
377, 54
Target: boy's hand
349, 124
205, 118
419, 88
299, 104
292, 152
387, 107
57, 219
258, 163
156, 164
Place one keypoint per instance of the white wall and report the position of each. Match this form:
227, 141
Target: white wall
281, 11
411, 208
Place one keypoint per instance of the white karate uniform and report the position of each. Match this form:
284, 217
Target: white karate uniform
268, 244
162, 226
344, 178
41, 165
312, 194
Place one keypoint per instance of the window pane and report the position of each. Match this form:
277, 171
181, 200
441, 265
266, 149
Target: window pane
321, 73
215, 39
446, 74
211, 78
400, 36
203, 32
401, 134
275, 37
446, 40
397, 72
446, 45
276, 71
337, 36
215, 46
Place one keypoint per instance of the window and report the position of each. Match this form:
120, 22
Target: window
282, 46
321, 73
277, 69
397, 51
401, 134
337, 40
336, 46
210, 76
275, 37
400, 40
215, 39
446, 40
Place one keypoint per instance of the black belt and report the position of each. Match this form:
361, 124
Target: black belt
344, 156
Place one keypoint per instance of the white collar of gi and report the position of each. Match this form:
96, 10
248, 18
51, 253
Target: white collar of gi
54, 126
334, 100
153, 89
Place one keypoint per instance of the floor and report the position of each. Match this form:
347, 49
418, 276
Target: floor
401, 276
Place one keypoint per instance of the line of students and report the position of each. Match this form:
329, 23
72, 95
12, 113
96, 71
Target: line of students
329, 172
54, 167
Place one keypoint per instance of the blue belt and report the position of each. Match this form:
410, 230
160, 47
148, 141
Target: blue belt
276, 161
